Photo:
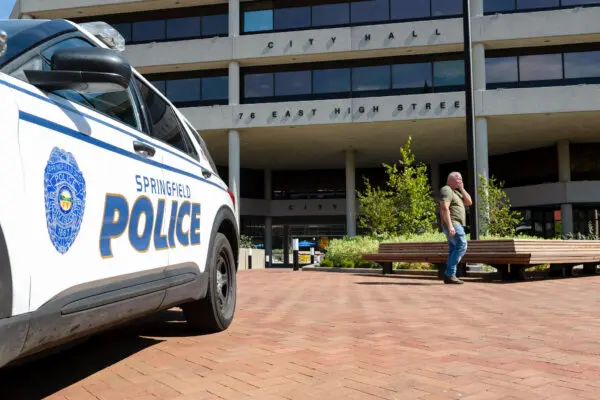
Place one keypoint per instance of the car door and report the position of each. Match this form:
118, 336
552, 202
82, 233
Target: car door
195, 193
89, 170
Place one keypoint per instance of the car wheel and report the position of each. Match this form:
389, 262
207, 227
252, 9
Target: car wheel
214, 313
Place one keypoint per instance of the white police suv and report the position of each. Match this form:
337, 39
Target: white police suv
111, 206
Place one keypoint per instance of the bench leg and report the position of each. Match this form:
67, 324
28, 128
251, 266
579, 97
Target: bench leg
503, 272
441, 269
589, 269
561, 270
386, 268
517, 272
461, 270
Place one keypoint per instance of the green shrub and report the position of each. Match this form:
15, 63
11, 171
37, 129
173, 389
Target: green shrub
326, 263
347, 264
246, 242
351, 249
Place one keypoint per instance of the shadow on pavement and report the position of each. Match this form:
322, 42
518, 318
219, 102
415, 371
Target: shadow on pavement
492, 279
397, 283
53, 371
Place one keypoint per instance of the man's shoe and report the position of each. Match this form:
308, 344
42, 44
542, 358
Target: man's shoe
452, 280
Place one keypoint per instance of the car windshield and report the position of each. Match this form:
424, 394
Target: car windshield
26, 34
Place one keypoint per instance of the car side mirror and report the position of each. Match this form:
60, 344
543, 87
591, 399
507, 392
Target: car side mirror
84, 69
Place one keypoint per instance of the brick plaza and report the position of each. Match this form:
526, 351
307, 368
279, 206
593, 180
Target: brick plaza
319, 335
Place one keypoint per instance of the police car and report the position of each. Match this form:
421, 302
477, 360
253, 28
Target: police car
111, 206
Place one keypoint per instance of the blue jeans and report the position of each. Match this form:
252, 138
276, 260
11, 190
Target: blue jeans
457, 247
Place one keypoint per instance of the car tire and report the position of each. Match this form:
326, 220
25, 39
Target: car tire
214, 313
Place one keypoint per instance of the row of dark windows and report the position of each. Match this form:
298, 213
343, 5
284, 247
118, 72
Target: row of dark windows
288, 15
520, 168
560, 65
163, 30
194, 91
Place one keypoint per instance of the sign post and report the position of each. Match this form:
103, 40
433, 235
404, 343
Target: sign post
296, 259
472, 184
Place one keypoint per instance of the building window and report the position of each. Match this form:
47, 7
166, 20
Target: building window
190, 89
502, 69
277, 15
498, 6
371, 78
354, 78
410, 9
183, 28
332, 80
449, 73
291, 18
258, 85
258, 21
369, 11
584, 64
540, 67
179, 23
446, 8
292, 83
330, 14
561, 65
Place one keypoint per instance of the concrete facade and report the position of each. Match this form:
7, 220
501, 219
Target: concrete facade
353, 132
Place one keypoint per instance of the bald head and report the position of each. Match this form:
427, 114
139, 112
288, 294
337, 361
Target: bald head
454, 179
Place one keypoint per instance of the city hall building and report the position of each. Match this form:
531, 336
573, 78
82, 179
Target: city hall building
298, 100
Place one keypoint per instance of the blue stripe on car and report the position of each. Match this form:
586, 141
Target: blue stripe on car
25, 116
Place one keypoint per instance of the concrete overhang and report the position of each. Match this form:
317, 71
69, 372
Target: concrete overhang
531, 118
502, 102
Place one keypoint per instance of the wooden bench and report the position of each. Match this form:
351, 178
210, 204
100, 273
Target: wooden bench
509, 257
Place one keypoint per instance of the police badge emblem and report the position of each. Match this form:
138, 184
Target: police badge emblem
64, 191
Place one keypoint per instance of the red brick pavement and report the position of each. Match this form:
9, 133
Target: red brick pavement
316, 335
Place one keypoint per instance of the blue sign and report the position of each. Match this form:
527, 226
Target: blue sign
64, 192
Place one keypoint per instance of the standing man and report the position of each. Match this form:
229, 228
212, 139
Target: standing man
454, 199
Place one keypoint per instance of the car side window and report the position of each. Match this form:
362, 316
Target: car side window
203, 148
164, 123
117, 104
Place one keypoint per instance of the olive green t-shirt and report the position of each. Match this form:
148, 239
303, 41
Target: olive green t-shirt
457, 206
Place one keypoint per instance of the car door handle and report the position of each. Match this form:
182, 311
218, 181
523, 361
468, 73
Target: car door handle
144, 149
206, 173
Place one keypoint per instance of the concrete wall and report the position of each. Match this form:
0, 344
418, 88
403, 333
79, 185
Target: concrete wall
561, 99
258, 259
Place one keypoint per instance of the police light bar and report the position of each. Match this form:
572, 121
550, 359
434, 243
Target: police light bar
106, 33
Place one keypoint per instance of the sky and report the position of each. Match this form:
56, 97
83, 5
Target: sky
6, 7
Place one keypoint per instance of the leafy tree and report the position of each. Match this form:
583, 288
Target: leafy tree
496, 216
405, 206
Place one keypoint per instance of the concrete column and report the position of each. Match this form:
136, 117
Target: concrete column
478, 66
566, 216
234, 18
477, 8
564, 175
286, 244
234, 83
350, 192
564, 161
234, 169
268, 219
481, 146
